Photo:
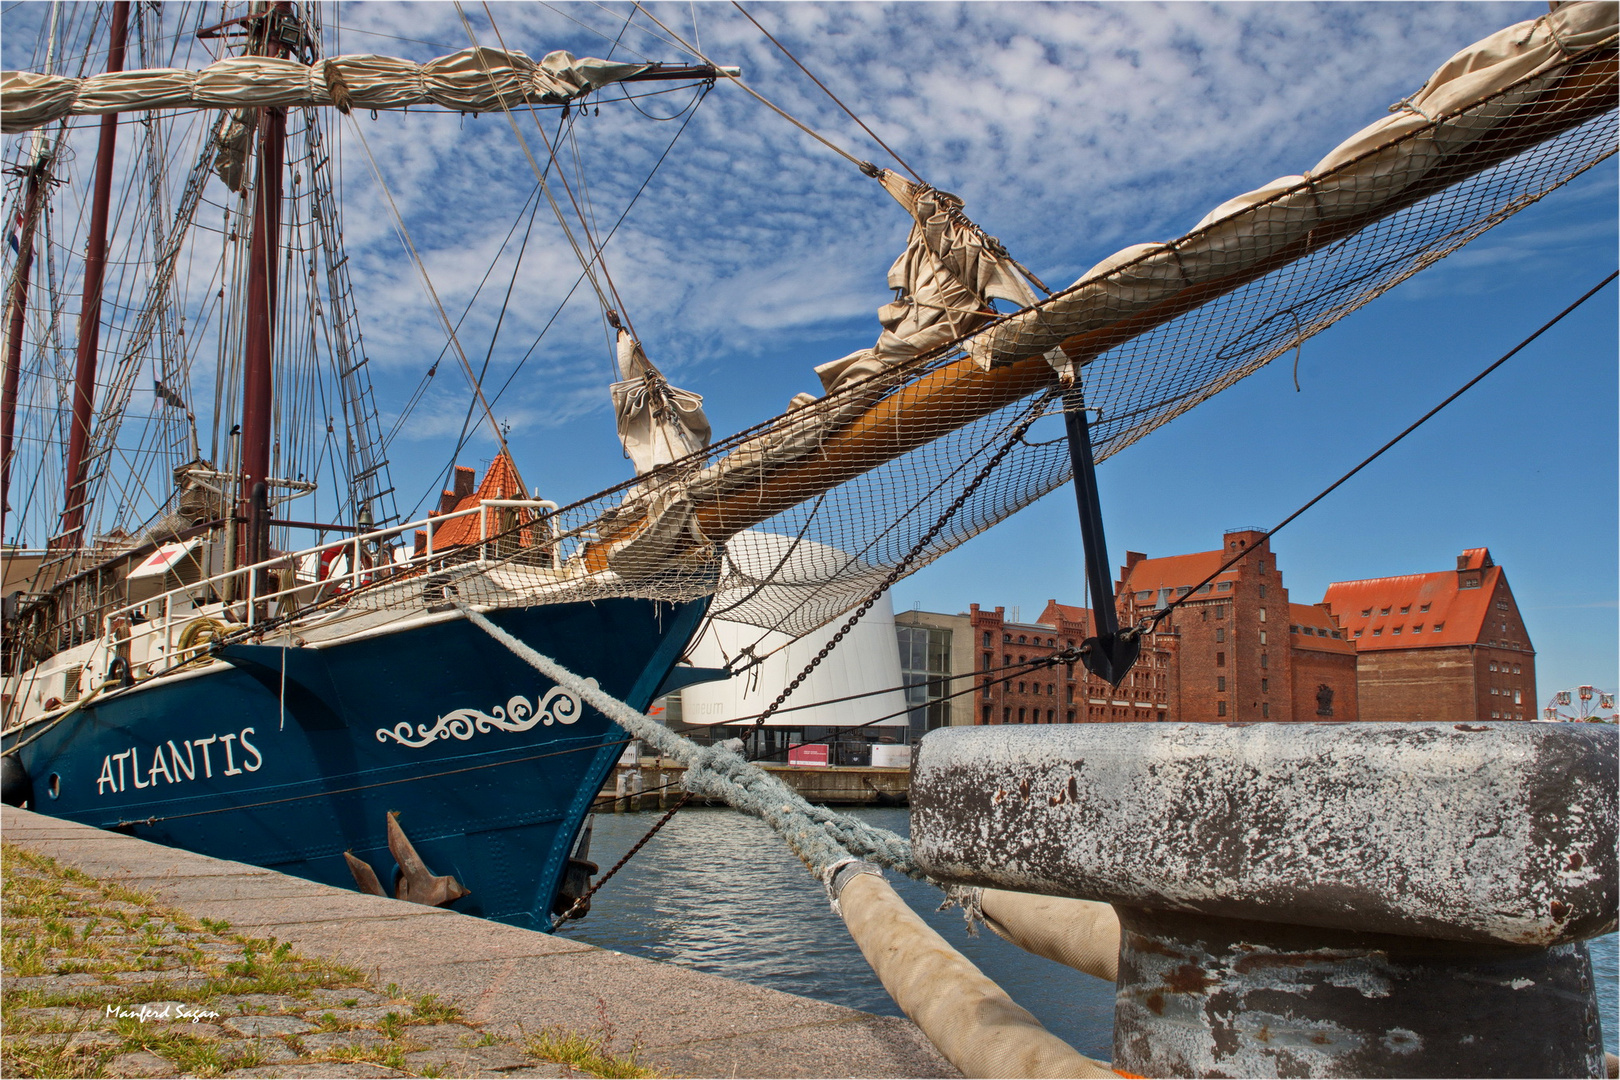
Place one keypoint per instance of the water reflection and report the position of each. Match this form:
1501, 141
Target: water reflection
717, 891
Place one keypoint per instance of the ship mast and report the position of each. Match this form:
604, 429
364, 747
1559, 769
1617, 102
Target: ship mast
14, 330
253, 494
95, 269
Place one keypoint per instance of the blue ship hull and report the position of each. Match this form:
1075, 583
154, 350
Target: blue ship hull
287, 758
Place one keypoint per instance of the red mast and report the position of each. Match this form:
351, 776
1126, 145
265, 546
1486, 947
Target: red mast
258, 350
95, 269
19, 312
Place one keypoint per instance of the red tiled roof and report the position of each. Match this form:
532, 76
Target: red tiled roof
1436, 613
1175, 572
500, 482
1316, 630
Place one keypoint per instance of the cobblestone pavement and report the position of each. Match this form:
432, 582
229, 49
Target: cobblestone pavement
101, 981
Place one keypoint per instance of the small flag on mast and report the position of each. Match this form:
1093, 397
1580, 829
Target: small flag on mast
167, 396
15, 236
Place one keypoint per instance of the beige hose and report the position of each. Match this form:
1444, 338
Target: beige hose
1082, 934
967, 1017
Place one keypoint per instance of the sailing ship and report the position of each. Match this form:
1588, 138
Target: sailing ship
203, 682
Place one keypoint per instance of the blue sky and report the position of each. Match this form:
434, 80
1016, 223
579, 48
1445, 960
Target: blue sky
1071, 131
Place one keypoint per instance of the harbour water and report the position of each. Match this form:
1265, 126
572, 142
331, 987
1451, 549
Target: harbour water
717, 891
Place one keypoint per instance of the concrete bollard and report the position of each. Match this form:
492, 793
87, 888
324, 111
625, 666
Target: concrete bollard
1308, 899
636, 788
620, 789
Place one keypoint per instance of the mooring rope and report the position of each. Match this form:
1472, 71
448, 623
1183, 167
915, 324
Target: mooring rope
819, 837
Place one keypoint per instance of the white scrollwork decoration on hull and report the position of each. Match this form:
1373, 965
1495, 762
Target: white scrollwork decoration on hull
557, 707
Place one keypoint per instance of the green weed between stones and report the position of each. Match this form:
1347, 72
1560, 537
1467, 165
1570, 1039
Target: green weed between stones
587, 1053
62, 922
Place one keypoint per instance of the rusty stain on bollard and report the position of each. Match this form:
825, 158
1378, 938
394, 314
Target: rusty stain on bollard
1308, 899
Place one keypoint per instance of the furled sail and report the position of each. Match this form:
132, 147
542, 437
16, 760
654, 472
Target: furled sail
1470, 114
1498, 126
472, 80
943, 283
658, 423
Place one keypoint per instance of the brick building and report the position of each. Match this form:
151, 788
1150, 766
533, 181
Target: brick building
1243, 652
1442, 646
1065, 693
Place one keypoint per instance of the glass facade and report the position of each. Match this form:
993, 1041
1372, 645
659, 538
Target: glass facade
925, 656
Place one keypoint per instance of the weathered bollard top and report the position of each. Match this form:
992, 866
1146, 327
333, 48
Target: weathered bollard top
1499, 832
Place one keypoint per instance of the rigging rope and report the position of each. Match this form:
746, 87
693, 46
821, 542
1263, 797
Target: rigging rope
1419, 422
865, 166
903, 163
455, 342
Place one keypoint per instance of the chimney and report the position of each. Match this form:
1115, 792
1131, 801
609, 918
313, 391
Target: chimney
447, 501
464, 482
420, 547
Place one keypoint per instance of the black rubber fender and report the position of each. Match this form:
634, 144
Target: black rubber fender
16, 786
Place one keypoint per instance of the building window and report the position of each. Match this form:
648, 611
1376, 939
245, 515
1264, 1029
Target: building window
1220, 659
1262, 614
1021, 688
1006, 716
1220, 684
1070, 696
1493, 665
1049, 715
1417, 628
1020, 716
1337, 635
1223, 586
1022, 640
1407, 610
1220, 633
1516, 670
1071, 716
1439, 626
1262, 637
1383, 611
1496, 716
1356, 634
1260, 568
1396, 632
1265, 686
1145, 597
1378, 632
925, 658
1262, 660
1220, 708
987, 661
1051, 689
1425, 607
987, 689
986, 715
1262, 592
1006, 638
1366, 613
1005, 659
1265, 710
987, 639
1518, 697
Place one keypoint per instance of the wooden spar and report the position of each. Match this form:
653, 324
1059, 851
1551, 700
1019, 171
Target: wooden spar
956, 394
95, 270
258, 349
14, 334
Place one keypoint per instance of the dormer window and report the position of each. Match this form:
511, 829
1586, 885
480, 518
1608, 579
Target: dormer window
1407, 610
1366, 613
1383, 611
1417, 628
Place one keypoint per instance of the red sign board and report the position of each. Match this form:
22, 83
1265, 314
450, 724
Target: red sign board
811, 754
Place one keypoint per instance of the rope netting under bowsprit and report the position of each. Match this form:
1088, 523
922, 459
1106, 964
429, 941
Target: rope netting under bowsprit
792, 523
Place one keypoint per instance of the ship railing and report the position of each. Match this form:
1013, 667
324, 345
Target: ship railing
248, 602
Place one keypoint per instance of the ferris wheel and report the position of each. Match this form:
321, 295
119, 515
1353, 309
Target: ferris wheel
1582, 704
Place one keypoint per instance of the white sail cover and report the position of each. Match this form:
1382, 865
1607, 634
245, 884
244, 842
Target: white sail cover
472, 80
943, 281
1382, 167
658, 423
